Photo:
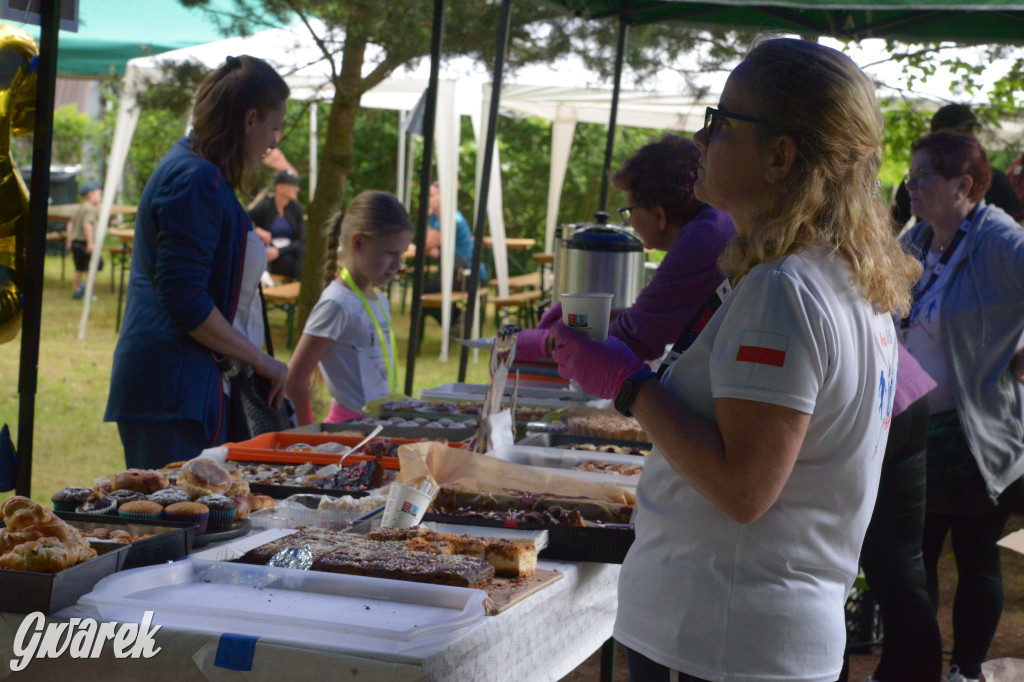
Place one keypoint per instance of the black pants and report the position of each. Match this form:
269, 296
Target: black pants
978, 603
433, 285
892, 558
643, 669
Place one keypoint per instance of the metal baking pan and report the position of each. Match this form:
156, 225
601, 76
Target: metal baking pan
172, 540
27, 592
562, 440
607, 544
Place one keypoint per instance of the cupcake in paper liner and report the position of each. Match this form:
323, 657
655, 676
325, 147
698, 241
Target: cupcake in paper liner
169, 496
189, 512
69, 499
140, 510
98, 506
222, 512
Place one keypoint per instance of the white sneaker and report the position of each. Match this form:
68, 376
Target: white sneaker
954, 675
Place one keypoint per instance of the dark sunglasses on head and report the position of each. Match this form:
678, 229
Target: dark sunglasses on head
712, 118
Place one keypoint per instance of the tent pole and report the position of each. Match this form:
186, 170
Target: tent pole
620, 51
313, 140
485, 180
420, 238
35, 247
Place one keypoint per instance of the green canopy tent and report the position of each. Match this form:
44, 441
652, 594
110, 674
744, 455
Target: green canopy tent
110, 32
913, 21
916, 21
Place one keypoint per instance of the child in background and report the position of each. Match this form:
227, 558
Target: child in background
349, 332
81, 231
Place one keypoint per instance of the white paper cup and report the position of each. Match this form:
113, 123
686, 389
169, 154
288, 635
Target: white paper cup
587, 313
405, 507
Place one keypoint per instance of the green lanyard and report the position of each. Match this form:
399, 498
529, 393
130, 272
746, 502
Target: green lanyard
389, 361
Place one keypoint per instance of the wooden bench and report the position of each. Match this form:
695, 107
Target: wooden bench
285, 297
524, 303
530, 280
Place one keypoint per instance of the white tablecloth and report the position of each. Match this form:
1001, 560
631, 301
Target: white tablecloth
544, 637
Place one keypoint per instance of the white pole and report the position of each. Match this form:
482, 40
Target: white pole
312, 149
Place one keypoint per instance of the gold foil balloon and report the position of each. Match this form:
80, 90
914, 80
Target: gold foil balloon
18, 61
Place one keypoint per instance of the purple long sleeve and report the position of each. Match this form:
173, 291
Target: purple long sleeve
683, 282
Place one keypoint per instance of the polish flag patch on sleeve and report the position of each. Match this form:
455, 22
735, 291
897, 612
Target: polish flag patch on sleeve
763, 348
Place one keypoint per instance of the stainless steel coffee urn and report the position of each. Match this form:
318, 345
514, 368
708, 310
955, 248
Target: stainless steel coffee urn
598, 257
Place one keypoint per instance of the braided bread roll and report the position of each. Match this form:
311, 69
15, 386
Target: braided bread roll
38, 540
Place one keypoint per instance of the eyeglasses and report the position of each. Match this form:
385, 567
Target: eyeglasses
625, 212
917, 178
712, 118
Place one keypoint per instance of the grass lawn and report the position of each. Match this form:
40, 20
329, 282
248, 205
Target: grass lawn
72, 443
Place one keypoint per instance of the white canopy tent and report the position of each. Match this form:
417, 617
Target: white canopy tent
566, 95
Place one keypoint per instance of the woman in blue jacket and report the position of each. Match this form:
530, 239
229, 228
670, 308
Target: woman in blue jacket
166, 390
966, 329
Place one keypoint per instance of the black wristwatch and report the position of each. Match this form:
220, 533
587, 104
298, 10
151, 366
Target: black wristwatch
627, 394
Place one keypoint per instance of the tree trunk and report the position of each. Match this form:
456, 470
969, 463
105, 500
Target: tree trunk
335, 163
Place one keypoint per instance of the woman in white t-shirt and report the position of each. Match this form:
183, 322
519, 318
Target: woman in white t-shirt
769, 431
349, 332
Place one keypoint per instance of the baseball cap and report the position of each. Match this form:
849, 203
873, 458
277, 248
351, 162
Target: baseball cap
88, 187
287, 178
954, 116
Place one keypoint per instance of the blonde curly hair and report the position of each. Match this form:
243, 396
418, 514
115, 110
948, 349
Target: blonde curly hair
831, 198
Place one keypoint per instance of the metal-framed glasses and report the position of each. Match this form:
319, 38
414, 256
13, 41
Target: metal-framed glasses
713, 117
625, 212
918, 178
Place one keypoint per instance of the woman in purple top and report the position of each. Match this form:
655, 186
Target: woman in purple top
658, 181
891, 557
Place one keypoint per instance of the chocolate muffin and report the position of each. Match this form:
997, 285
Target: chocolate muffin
169, 496
222, 512
123, 495
98, 506
70, 498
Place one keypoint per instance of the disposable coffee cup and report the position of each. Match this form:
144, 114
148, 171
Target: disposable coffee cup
587, 313
405, 507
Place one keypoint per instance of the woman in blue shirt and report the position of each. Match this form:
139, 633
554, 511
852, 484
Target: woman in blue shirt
166, 390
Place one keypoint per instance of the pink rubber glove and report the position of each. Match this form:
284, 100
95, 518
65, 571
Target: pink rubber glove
599, 368
552, 315
531, 345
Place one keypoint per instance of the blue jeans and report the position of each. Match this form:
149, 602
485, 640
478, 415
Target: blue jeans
152, 445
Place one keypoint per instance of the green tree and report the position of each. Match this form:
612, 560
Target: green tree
401, 32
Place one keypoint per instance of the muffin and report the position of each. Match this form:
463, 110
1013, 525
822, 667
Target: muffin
98, 506
140, 510
123, 495
68, 499
238, 487
258, 502
222, 512
203, 477
169, 496
189, 512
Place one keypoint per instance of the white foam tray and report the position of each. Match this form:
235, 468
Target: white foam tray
284, 604
561, 461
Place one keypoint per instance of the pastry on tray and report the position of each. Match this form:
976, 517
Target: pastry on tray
35, 539
613, 426
352, 554
459, 502
145, 481
508, 557
203, 477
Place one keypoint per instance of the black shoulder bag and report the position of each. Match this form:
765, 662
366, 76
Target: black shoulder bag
249, 413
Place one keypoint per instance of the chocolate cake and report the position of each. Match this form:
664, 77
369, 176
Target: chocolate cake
387, 561
449, 501
359, 476
320, 541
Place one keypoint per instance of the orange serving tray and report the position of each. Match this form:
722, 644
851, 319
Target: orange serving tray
272, 447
